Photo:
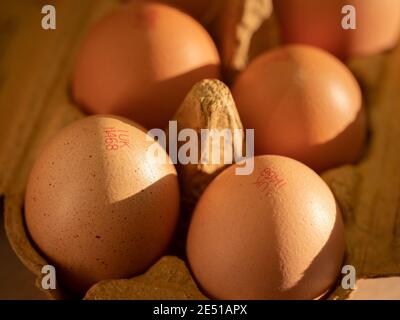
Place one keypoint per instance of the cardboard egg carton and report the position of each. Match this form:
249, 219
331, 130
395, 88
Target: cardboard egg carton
38, 104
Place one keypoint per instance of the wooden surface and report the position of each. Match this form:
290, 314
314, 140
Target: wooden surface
34, 104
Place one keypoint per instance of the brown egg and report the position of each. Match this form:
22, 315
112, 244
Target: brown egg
274, 234
319, 23
140, 61
302, 103
96, 207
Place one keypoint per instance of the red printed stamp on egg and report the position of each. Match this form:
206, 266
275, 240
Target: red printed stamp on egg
115, 139
145, 19
269, 181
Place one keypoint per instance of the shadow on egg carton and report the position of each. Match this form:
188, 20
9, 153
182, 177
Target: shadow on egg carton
368, 193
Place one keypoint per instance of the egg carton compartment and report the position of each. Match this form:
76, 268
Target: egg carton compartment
368, 193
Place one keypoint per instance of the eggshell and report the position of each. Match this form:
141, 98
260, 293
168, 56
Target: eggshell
140, 61
95, 207
274, 234
302, 103
319, 23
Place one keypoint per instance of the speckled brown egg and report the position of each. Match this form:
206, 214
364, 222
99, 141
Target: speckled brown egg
96, 207
303, 103
274, 234
140, 61
319, 23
